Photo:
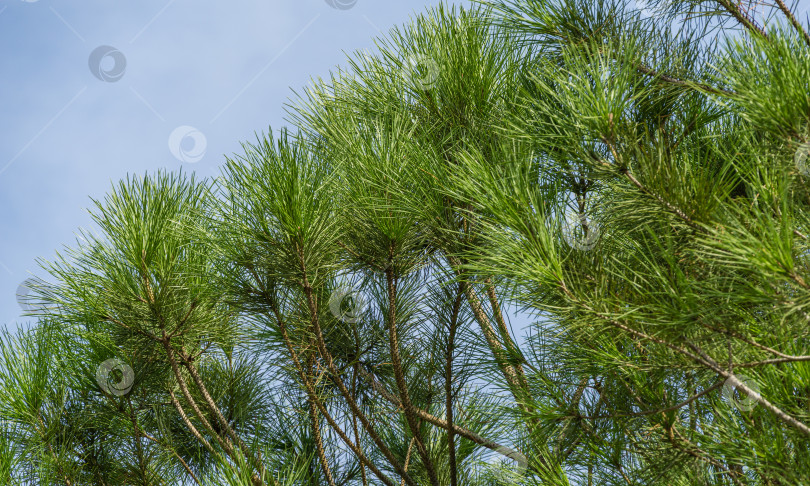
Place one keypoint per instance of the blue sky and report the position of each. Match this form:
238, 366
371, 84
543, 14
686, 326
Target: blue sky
224, 69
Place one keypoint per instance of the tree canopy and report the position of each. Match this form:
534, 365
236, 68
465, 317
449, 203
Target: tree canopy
337, 307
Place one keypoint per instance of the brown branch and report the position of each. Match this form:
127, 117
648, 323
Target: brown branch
660, 199
432, 419
624, 170
358, 452
191, 426
223, 442
316, 433
354, 394
707, 361
327, 357
399, 376
743, 18
509, 373
504, 330
408, 458
751, 393
792, 18
218, 414
448, 384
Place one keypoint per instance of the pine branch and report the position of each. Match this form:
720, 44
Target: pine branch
423, 415
319, 404
399, 376
448, 384
735, 381
335, 374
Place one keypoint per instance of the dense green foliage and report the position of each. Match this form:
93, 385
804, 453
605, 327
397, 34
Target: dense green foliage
334, 308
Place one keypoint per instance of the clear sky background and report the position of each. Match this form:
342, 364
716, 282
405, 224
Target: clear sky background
223, 70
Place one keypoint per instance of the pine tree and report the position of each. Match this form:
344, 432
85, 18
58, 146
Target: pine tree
335, 307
